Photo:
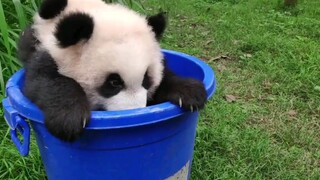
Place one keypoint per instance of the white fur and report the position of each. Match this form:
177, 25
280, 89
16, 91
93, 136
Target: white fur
121, 42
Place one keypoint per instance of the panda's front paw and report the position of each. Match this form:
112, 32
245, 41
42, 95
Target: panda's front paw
67, 123
189, 94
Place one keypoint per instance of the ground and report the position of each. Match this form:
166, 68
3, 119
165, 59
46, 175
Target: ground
263, 121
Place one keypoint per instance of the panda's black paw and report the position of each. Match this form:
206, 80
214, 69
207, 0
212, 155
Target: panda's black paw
189, 94
67, 123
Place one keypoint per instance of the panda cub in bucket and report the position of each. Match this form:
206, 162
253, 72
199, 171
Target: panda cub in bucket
83, 55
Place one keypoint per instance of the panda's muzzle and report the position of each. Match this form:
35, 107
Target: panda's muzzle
127, 99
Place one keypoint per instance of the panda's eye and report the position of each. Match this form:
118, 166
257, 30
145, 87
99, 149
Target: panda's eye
116, 83
111, 86
114, 80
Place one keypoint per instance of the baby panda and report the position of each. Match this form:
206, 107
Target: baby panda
83, 55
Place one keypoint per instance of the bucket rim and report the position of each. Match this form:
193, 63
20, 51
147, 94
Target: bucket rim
114, 119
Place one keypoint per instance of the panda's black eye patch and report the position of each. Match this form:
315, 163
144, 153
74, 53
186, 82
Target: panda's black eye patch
111, 86
146, 83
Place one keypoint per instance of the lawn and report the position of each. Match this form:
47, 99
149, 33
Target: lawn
263, 122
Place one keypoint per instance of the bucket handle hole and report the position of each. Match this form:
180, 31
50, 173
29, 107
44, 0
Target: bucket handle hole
21, 136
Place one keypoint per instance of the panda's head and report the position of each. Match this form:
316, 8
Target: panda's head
110, 50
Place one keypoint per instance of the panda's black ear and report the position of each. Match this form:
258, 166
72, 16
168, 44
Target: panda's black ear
51, 8
74, 28
158, 23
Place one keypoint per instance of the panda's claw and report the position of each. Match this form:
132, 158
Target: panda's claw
180, 102
191, 108
84, 122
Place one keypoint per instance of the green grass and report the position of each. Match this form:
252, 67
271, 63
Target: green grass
272, 70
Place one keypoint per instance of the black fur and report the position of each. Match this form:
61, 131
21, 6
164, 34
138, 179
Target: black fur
158, 23
146, 83
112, 85
61, 99
51, 8
27, 45
73, 28
192, 92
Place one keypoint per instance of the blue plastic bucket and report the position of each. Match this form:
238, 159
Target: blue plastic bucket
149, 143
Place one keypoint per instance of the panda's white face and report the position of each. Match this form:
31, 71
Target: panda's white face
118, 65
123, 63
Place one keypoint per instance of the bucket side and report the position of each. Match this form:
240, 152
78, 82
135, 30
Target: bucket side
129, 153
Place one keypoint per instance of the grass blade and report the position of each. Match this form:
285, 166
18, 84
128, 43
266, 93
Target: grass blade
4, 29
21, 14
